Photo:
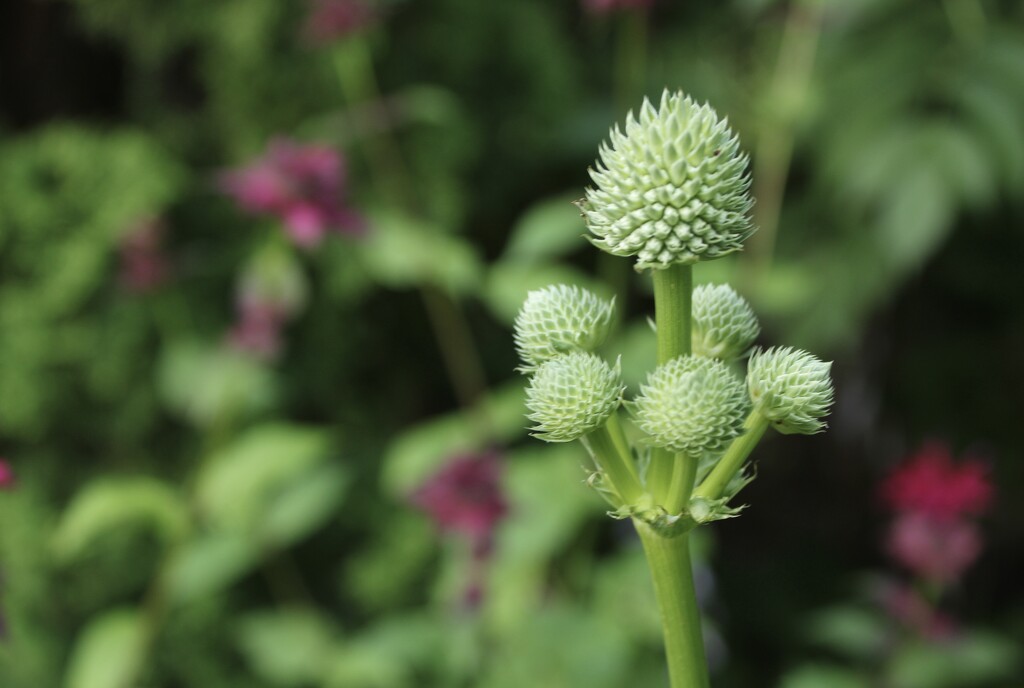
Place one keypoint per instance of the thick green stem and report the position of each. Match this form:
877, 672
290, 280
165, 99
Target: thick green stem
617, 467
673, 296
730, 464
672, 572
681, 487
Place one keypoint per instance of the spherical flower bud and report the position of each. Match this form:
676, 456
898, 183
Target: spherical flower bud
724, 325
572, 395
791, 388
672, 189
559, 319
692, 405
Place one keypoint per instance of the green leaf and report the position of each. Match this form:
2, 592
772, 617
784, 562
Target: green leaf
109, 653
238, 485
209, 384
289, 647
209, 564
401, 252
303, 505
549, 229
418, 452
823, 676
968, 660
113, 503
851, 631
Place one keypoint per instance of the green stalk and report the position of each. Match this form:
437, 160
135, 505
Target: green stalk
730, 464
673, 297
618, 468
683, 477
672, 573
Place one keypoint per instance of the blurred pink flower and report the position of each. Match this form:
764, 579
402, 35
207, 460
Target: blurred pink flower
939, 550
7, 479
465, 498
143, 264
929, 483
258, 331
329, 20
605, 6
302, 185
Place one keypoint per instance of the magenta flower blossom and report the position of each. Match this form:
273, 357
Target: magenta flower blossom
929, 483
934, 534
7, 479
939, 551
465, 498
606, 6
330, 20
302, 185
143, 264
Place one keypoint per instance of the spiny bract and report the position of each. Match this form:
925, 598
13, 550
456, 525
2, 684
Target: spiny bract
724, 324
692, 405
572, 395
672, 189
791, 388
559, 319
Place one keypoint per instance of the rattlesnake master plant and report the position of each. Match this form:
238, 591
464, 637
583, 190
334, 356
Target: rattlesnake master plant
572, 395
559, 319
692, 405
724, 324
672, 189
791, 388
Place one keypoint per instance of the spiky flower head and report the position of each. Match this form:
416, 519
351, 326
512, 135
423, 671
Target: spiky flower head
559, 319
692, 405
791, 388
724, 324
572, 395
673, 189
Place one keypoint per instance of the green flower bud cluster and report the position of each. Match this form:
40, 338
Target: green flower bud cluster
672, 189
560, 319
724, 325
572, 391
692, 405
572, 395
792, 389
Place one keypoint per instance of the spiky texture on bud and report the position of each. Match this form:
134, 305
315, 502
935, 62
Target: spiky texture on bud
724, 325
791, 388
692, 405
572, 395
559, 319
672, 189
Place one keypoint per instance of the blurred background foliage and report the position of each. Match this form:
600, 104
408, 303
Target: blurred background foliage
229, 445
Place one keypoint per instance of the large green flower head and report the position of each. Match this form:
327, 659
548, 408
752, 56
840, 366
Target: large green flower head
724, 324
692, 405
559, 319
791, 388
571, 396
672, 189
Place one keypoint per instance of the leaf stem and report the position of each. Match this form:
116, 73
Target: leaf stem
681, 487
732, 461
673, 297
672, 573
618, 468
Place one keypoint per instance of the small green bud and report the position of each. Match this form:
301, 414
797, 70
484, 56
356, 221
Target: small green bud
692, 405
572, 395
724, 325
558, 319
672, 189
791, 388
